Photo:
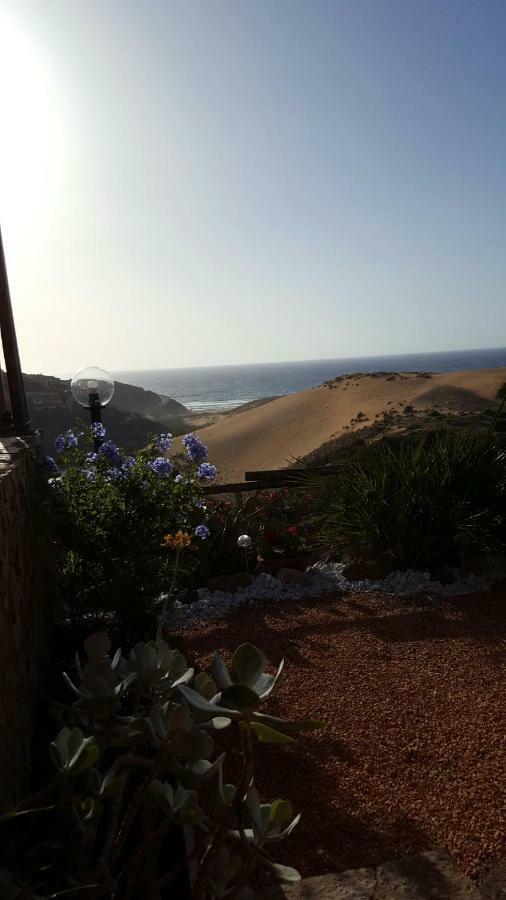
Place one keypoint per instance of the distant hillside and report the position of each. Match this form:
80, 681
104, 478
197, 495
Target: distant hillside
131, 417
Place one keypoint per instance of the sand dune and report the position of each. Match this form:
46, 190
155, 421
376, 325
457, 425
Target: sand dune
275, 434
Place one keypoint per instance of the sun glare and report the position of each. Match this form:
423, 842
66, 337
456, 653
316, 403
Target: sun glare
31, 145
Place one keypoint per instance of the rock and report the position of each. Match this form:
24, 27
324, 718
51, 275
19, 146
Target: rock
423, 875
444, 574
293, 576
493, 882
373, 570
229, 583
355, 884
418, 877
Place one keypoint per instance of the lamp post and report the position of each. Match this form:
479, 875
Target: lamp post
92, 388
19, 411
244, 542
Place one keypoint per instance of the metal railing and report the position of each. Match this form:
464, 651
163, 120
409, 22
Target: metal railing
16, 418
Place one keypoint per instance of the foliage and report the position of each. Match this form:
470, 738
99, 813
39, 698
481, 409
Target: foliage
110, 512
276, 521
135, 763
416, 501
281, 526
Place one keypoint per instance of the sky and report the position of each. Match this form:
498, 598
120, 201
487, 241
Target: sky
199, 182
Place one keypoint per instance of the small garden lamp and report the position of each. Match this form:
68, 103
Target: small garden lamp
92, 388
244, 542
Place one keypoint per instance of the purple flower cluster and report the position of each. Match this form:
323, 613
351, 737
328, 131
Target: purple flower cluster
206, 470
202, 532
67, 441
51, 465
163, 442
128, 462
196, 450
111, 451
98, 430
116, 474
160, 465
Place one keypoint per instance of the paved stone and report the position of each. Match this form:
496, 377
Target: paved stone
355, 884
493, 883
423, 876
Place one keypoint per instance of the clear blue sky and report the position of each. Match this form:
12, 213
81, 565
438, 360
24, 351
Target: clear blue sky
189, 183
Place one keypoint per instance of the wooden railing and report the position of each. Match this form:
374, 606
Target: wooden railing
270, 478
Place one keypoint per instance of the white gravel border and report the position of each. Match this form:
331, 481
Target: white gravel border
324, 579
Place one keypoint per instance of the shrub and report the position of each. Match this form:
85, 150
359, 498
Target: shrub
110, 512
415, 500
134, 764
276, 521
280, 525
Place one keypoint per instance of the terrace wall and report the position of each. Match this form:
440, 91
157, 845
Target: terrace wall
25, 594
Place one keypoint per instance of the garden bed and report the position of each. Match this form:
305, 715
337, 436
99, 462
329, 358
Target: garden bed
413, 755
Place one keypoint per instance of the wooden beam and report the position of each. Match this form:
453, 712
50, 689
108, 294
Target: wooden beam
290, 474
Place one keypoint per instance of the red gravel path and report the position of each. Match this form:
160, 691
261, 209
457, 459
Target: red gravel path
414, 753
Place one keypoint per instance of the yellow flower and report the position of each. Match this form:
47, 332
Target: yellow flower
178, 541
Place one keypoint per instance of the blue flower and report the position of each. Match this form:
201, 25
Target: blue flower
206, 470
72, 440
196, 450
160, 465
128, 462
90, 474
98, 430
51, 465
67, 441
115, 474
111, 451
163, 442
202, 532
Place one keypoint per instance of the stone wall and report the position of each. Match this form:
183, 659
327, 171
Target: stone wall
24, 605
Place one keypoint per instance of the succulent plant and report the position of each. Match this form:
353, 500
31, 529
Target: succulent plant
140, 760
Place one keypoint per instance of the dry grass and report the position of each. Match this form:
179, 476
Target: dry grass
413, 755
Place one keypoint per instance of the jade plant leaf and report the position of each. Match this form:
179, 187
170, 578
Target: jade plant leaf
248, 662
268, 735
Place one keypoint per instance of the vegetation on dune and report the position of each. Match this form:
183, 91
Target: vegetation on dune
416, 501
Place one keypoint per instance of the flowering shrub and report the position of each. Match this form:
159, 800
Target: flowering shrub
111, 512
280, 525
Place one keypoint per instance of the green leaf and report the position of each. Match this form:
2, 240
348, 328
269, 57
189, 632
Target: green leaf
205, 686
268, 735
195, 700
281, 813
286, 873
248, 663
241, 697
220, 673
288, 726
87, 758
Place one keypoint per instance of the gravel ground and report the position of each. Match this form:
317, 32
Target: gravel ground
413, 756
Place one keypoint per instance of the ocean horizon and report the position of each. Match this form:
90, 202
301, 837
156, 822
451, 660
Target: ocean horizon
209, 388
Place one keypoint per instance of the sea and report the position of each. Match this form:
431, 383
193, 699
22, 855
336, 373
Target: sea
210, 388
